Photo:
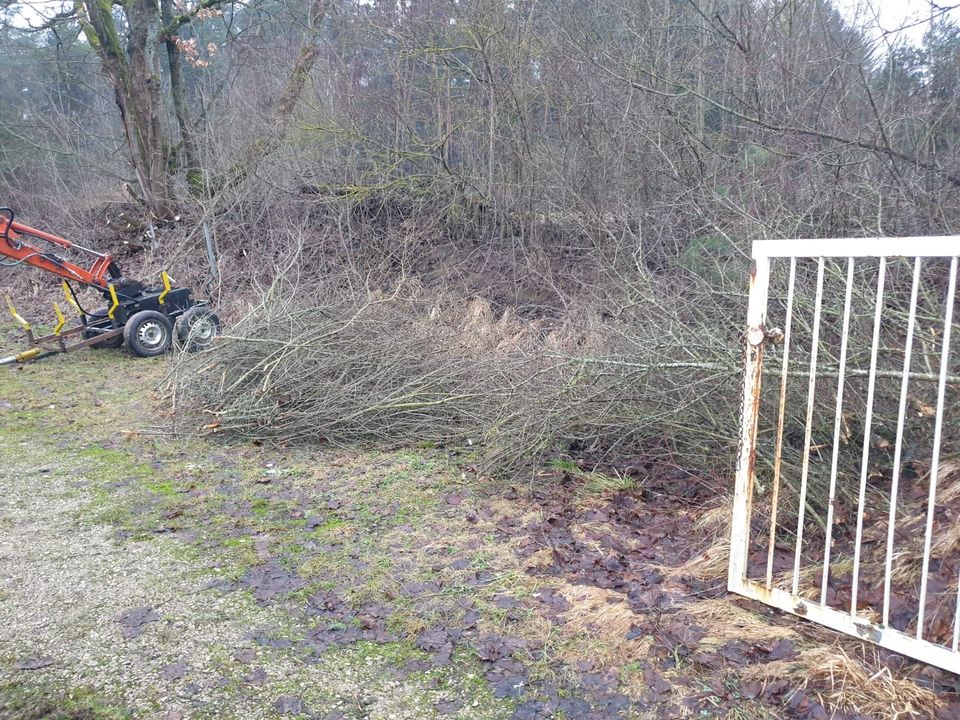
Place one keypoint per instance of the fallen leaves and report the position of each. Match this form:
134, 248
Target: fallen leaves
174, 671
134, 621
289, 705
271, 580
33, 663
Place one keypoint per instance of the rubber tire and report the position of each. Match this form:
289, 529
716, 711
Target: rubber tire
185, 323
132, 328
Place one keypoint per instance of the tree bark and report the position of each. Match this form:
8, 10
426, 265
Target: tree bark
178, 93
134, 73
287, 104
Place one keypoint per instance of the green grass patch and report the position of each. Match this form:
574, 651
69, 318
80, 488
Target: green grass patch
41, 702
592, 482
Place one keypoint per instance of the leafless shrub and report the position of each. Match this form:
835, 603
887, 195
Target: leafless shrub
351, 363
345, 368
645, 368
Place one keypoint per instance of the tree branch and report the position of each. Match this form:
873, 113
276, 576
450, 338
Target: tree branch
178, 21
684, 89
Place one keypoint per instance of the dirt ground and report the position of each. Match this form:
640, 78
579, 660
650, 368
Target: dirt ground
148, 572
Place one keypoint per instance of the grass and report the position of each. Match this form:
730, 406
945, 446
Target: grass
361, 524
338, 519
592, 482
35, 702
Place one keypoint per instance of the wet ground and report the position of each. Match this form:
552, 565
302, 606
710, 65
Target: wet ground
148, 572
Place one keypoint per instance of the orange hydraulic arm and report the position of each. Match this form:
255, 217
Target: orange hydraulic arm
14, 245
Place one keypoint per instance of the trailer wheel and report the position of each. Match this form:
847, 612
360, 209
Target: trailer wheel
148, 333
197, 328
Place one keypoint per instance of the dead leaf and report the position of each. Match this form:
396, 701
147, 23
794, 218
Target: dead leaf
33, 663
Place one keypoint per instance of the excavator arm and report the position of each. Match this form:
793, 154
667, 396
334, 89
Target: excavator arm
144, 319
15, 245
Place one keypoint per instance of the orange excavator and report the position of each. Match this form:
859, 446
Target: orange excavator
147, 320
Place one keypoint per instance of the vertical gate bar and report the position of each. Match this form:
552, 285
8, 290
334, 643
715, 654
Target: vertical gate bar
814, 349
837, 422
956, 620
937, 433
778, 454
746, 461
867, 427
898, 446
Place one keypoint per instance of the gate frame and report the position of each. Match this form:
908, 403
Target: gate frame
756, 337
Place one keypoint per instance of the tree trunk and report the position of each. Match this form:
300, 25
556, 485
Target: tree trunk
134, 74
287, 104
191, 158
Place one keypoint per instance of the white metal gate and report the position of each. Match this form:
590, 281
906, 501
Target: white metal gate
847, 497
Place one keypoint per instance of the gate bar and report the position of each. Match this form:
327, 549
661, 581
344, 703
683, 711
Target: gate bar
867, 427
898, 446
956, 618
861, 628
753, 367
808, 434
937, 433
838, 417
778, 456
934, 246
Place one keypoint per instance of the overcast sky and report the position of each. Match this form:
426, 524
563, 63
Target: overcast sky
891, 15
886, 15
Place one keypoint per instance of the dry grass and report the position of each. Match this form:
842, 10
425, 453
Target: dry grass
596, 626
715, 521
844, 682
945, 542
540, 560
525, 514
811, 574
948, 480
713, 525
711, 564
724, 621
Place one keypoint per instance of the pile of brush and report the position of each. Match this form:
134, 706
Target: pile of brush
342, 366
346, 369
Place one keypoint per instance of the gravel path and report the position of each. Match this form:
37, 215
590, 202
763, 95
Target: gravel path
141, 623
136, 624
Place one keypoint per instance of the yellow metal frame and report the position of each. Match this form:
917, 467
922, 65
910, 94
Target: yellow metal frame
166, 286
56, 341
16, 316
61, 320
69, 296
116, 303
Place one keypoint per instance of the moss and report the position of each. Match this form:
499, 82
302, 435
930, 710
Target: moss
165, 489
108, 37
330, 528
395, 653
196, 182
40, 702
111, 465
